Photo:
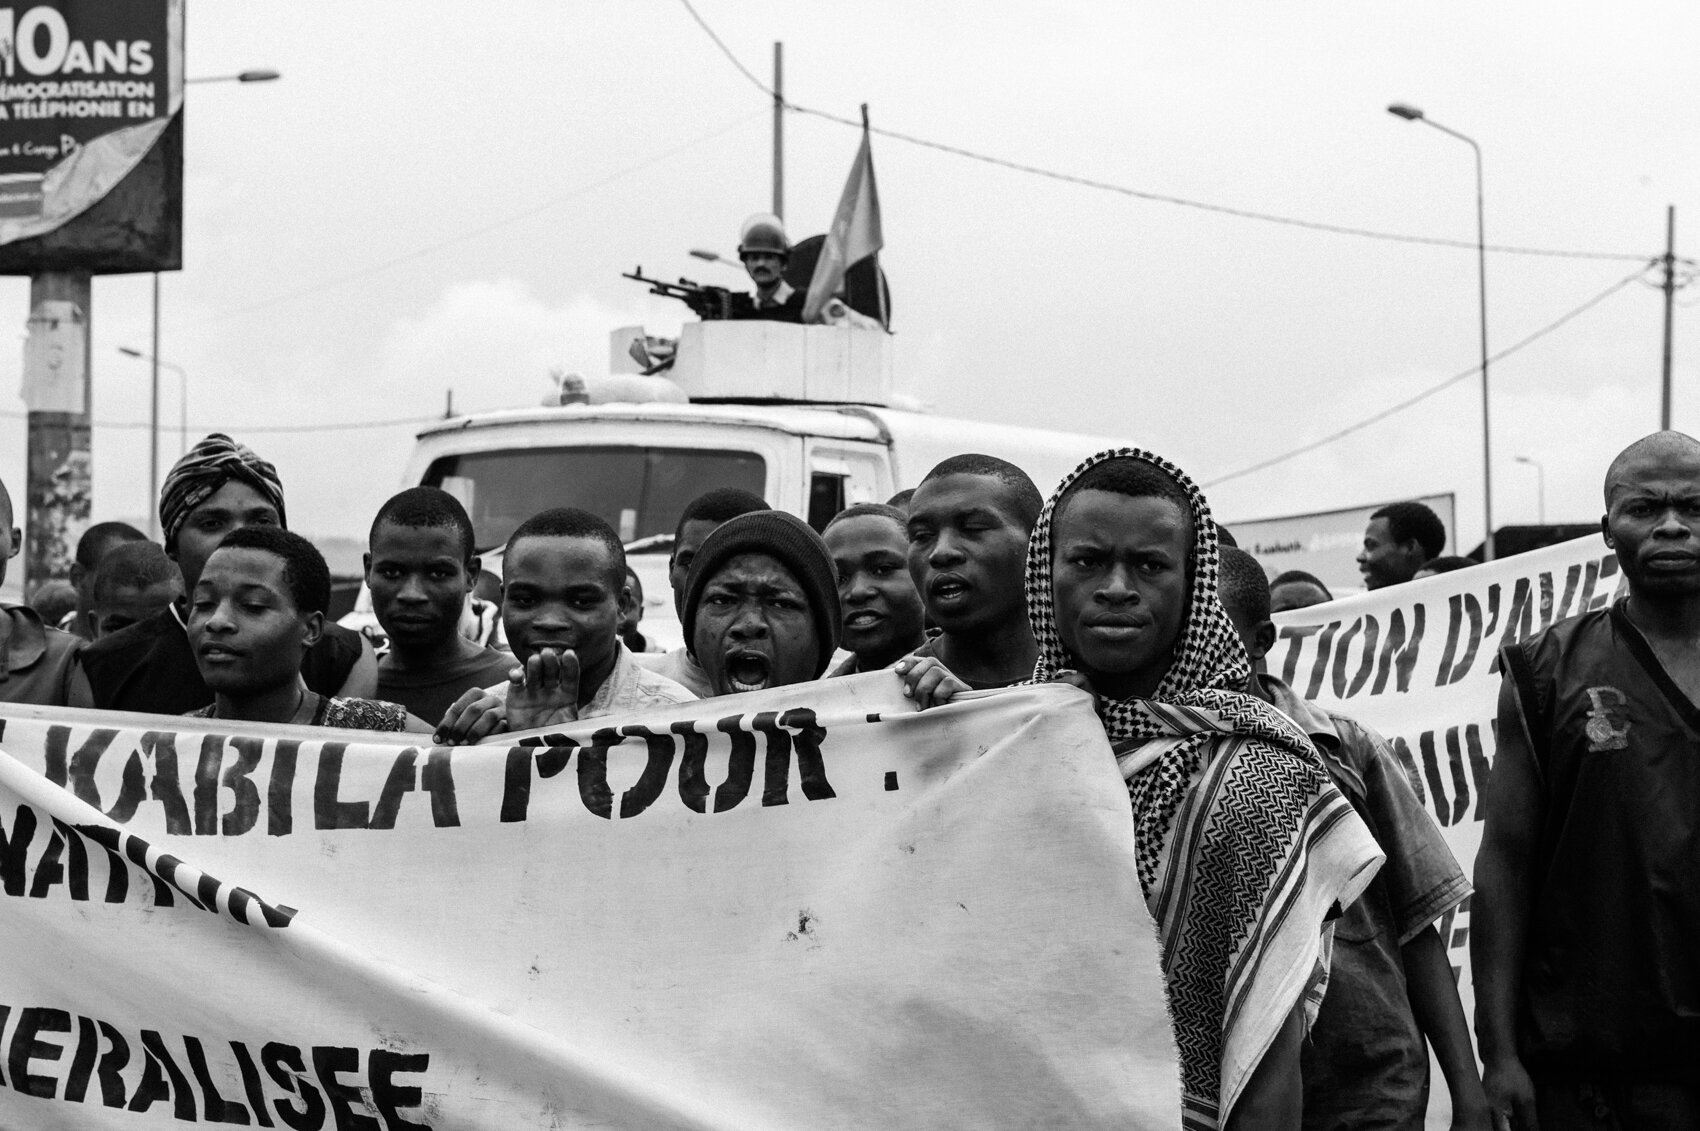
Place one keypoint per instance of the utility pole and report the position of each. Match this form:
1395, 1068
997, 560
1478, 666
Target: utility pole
1670, 307
779, 130
57, 396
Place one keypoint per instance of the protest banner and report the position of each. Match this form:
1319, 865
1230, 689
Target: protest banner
811, 906
1419, 663
91, 136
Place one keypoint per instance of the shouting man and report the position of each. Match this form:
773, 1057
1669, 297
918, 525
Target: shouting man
761, 607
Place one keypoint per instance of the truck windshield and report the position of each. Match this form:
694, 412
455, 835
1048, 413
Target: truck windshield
639, 491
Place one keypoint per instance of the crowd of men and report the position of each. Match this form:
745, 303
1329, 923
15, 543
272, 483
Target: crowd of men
1296, 824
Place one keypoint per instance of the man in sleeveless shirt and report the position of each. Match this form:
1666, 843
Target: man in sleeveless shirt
1587, 913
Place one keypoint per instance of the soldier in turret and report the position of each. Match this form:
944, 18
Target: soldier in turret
764, 250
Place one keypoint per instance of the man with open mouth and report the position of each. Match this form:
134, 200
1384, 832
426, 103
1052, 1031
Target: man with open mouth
761, 607
883, 618
968, 526
699, 519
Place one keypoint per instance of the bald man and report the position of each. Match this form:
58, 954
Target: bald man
1587, 907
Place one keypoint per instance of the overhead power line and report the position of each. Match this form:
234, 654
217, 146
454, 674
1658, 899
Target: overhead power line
1376, 418
483, 229
1154, 197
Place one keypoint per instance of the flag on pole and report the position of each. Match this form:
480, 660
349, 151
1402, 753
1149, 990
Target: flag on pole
855, 233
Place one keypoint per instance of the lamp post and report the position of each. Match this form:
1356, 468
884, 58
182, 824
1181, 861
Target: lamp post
1412, 114
258, 75
1540, 486
261, 75
715, 257
153, 424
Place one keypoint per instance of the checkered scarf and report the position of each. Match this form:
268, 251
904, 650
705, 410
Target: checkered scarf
206, 467
1243, 845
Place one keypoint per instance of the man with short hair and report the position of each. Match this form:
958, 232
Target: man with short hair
969, 522
421, 566
699, 519
97, 541
761, 604
563, 589
1586, 921
1296, 589
135, 581
38, 664
883, 618
1400, 538
258, 605
219, 486
1390, 984
630, 634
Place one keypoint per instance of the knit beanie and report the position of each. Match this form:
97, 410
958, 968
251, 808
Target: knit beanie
791, 542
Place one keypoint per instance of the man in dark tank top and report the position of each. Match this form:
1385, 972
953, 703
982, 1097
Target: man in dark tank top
1587, 910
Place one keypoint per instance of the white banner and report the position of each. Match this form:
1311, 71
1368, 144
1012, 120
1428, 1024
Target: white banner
1419, 663
805, 907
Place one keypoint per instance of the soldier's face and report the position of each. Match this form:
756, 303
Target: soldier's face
766, 269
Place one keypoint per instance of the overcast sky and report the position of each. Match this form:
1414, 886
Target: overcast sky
439, 195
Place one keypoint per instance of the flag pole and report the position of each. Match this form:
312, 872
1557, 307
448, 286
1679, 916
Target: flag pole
879, 284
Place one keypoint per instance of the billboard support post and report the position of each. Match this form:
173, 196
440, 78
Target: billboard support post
59, 459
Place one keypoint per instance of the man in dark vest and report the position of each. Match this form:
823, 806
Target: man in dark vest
1587, 909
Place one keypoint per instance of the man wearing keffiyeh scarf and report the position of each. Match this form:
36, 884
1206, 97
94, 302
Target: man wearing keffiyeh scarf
1244, 847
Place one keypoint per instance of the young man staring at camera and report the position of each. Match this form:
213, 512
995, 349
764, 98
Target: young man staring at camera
563, 592
421, 566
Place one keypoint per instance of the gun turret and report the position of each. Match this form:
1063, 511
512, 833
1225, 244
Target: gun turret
710, 303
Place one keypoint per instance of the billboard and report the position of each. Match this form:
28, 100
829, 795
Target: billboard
1324, 543
91, 136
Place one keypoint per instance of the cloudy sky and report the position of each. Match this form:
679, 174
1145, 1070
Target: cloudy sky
443, 196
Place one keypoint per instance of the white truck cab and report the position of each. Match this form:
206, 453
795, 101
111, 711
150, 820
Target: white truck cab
800, 415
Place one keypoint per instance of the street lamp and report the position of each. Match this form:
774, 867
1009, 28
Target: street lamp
259, 75
153, 423
1540, 486
240, 76
1412, 114
715, 257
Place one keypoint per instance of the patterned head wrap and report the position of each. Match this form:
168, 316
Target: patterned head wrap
1243, 844
208, 466
1209, 653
